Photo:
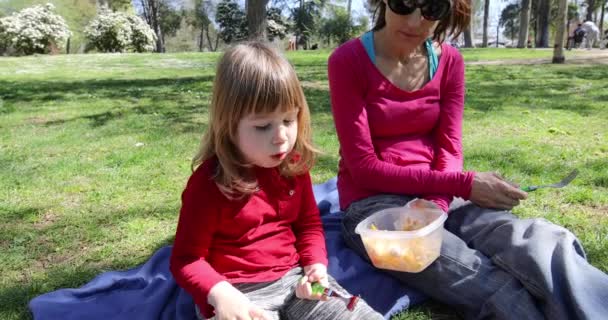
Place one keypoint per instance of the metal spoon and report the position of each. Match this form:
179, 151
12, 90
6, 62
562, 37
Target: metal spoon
560, 184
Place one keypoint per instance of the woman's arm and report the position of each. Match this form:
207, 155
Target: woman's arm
448, 131
347, 101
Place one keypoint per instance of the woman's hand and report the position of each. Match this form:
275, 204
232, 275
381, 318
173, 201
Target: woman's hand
313, 273
231, 304
490, 190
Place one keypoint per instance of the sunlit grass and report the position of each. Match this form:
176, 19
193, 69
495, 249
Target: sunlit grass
95, 151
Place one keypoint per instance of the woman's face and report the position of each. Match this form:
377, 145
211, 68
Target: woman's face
411, 29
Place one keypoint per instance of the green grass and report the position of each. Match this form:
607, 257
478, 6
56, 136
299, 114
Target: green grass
79, 196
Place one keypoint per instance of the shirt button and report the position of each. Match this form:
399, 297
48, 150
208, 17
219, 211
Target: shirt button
291, 192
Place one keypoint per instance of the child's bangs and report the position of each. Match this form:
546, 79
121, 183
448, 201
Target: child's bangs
279, 91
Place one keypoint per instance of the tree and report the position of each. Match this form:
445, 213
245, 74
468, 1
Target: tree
337, 25
602, 13
151, 12
256, 18
572, 15
562, 18
468, 38
119, 32
509, 19
231, 20
486, 14
543, 19
120, 5
524, 23
170, 20
592, 6
276, 26
234, 26
199, 18
34, 30
349, 8
304, 20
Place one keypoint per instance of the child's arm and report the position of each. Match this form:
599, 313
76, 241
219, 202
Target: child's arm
198, 221
310, 239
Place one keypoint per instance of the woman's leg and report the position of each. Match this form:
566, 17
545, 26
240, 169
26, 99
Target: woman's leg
333, 309
546, 258
460, 277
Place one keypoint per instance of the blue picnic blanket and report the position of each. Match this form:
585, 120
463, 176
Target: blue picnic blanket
150, 292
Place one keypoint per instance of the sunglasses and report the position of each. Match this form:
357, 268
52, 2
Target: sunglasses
432, 10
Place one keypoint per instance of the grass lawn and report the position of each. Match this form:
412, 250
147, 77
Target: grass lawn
95, 151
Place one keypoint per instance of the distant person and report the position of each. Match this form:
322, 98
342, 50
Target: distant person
578, 35
592, 34
291, 46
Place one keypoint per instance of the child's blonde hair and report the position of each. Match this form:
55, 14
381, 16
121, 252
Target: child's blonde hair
252, 78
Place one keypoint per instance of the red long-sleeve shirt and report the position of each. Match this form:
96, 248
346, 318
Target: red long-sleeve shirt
397, 141
256, 239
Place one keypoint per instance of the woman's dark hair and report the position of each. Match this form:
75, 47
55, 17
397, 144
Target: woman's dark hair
452, 25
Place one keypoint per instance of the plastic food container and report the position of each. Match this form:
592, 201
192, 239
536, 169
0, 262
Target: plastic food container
404, 238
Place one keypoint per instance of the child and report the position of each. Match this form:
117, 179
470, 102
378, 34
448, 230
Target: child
249, 241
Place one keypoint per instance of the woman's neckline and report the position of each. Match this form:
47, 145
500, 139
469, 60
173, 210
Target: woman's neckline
394, 86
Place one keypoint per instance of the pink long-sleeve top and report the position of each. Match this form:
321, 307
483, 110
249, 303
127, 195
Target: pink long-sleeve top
397, 141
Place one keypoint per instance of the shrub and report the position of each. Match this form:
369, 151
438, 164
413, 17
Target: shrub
119, 32
33, 30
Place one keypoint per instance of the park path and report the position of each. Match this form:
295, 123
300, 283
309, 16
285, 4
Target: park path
579, 56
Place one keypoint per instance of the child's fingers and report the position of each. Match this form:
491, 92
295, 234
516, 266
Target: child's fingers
316, 275
324, 281
258, 314
303, 288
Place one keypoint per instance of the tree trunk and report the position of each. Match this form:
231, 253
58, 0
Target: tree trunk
468, 38
348, 9
256, 19
201, 40
524, 23
151, 14
544, 14
561, 20
497, 35
160, 38
486, 15
601, 25
590, 9
209, 42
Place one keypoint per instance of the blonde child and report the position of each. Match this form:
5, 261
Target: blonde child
249, 241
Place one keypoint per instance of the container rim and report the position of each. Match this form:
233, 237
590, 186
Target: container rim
364, 230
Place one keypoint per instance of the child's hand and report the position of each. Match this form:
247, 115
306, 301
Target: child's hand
231, 304
313, 273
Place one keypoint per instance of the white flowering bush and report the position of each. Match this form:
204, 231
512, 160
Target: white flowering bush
119, 32
34, 30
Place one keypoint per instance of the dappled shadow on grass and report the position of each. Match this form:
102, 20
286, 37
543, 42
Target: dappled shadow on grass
318, 100
514, 159
53, 271
535, 87
175, 101
19, 214
54, 90
599, 166
15, 298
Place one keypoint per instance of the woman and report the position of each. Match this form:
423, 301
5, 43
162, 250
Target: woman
398, 100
